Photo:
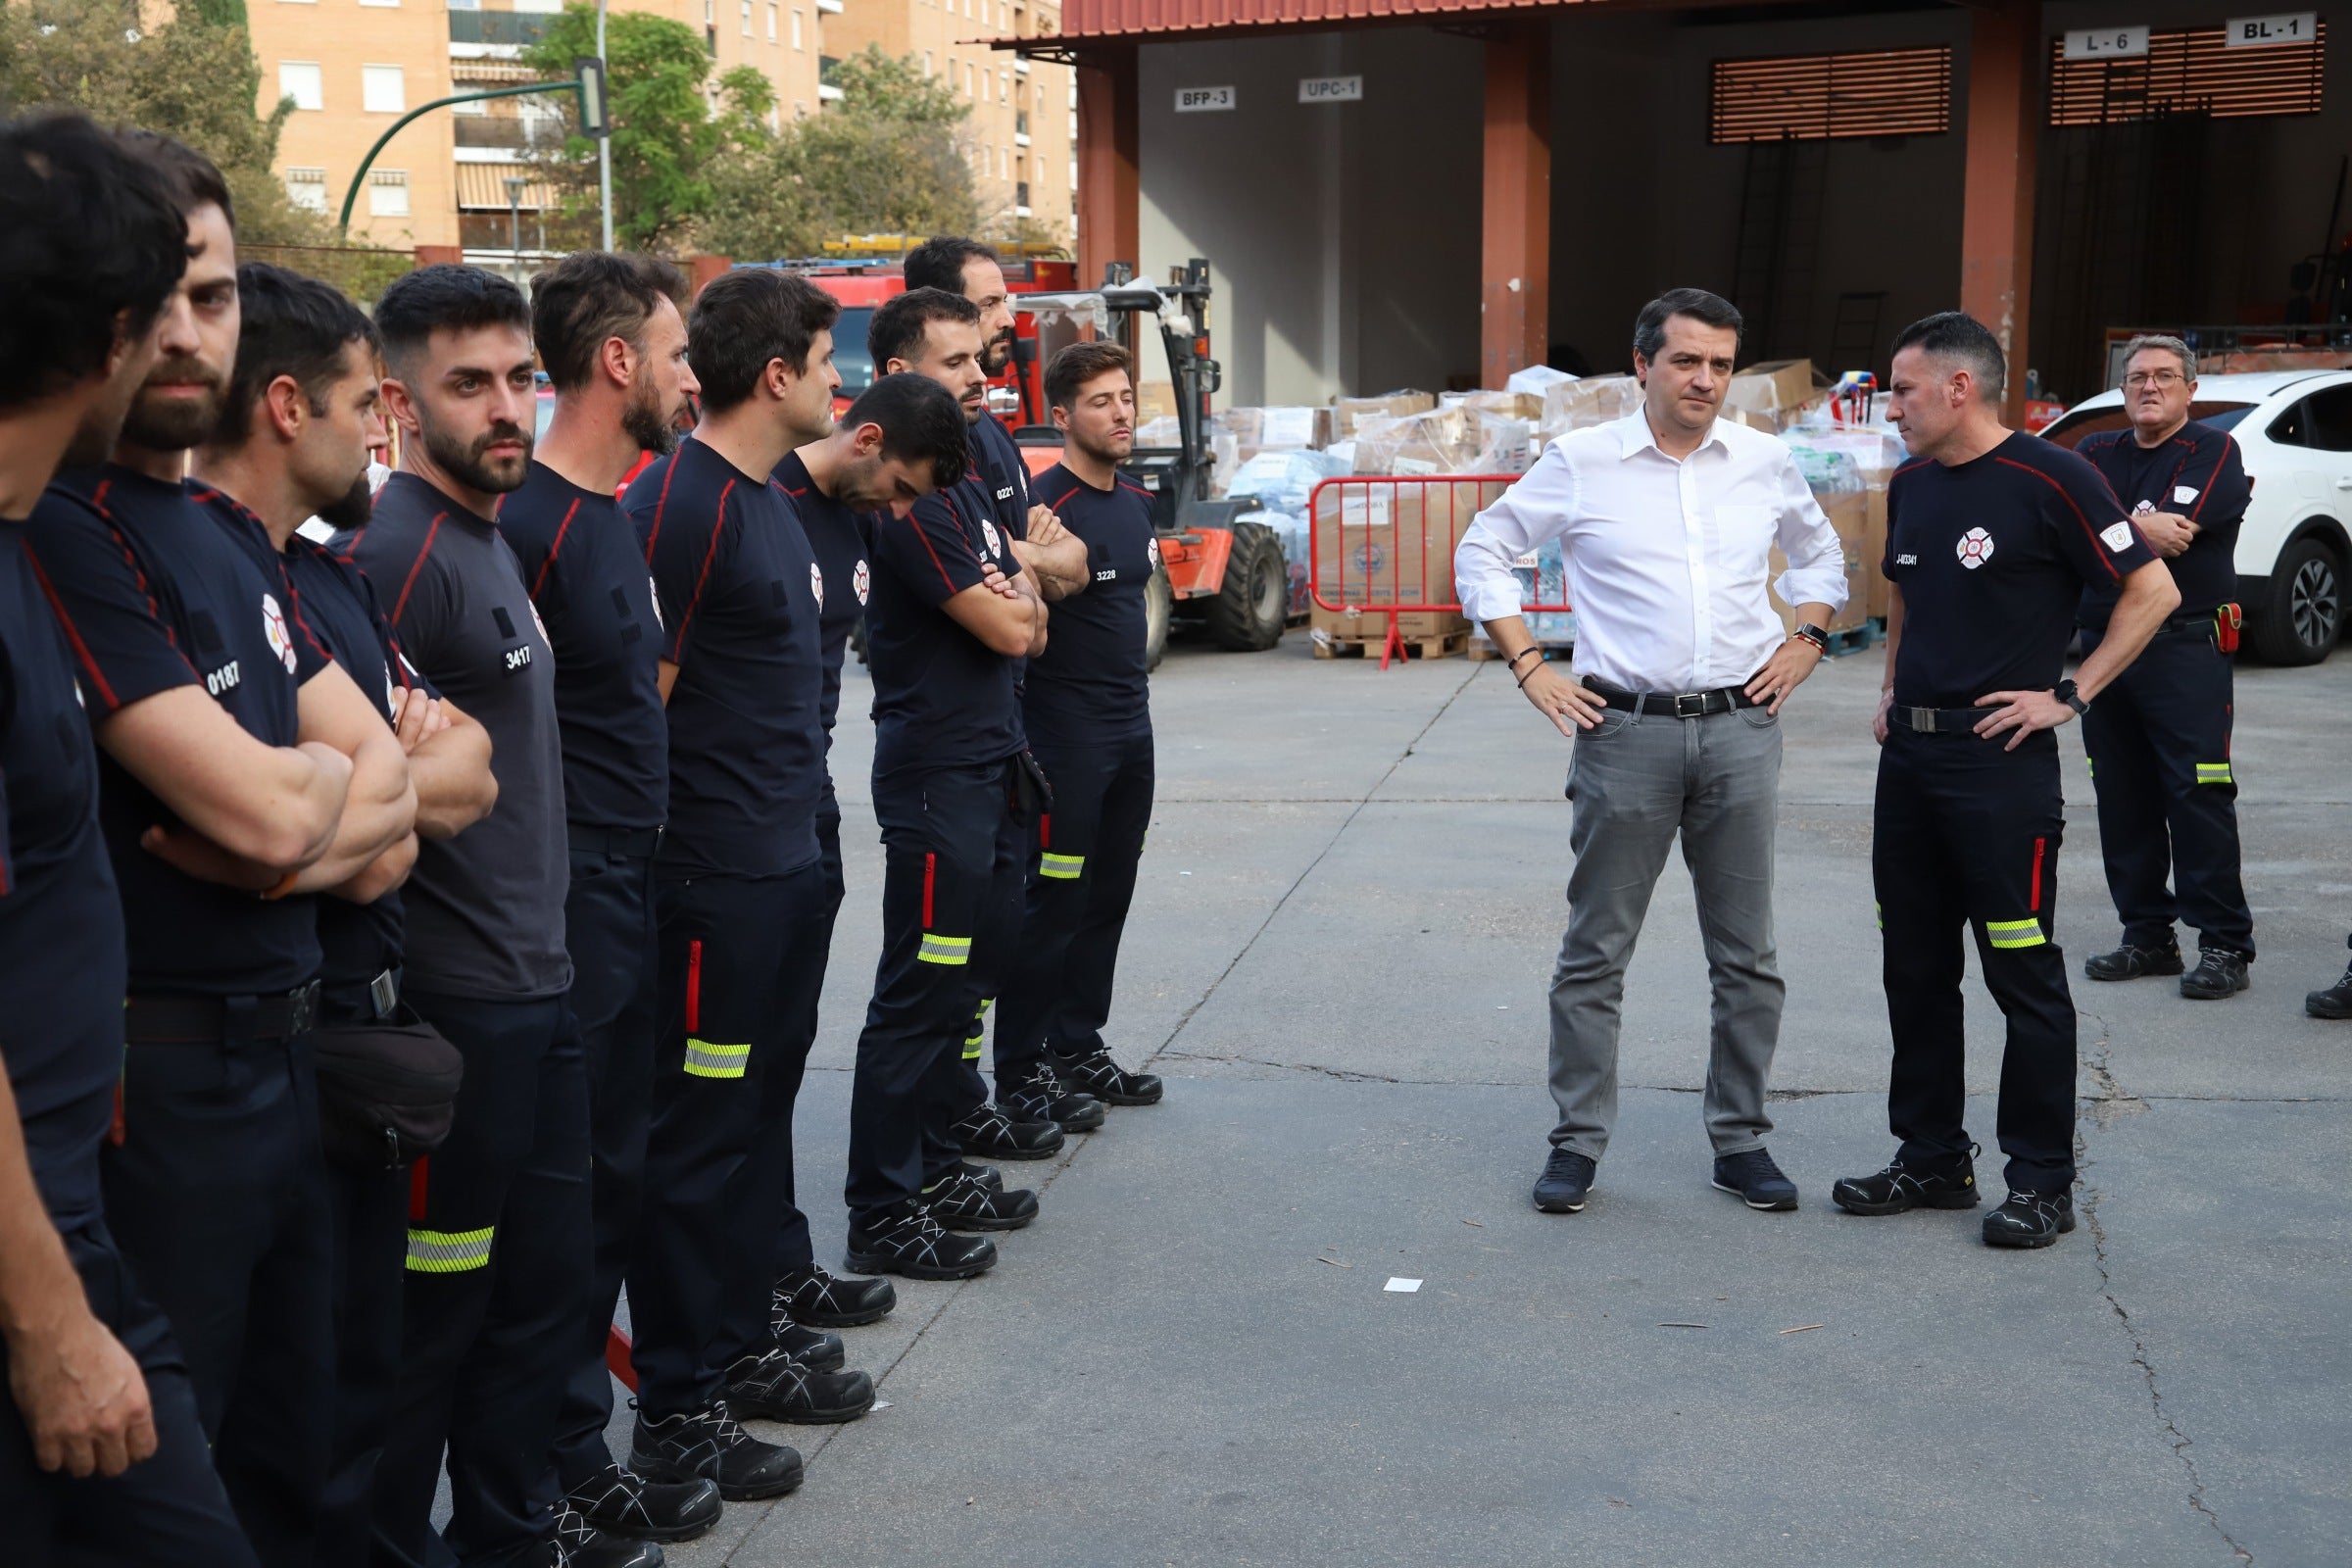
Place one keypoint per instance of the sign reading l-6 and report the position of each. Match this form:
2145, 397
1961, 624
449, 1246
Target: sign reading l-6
2256, 32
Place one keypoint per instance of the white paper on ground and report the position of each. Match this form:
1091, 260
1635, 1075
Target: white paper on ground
1406, 1287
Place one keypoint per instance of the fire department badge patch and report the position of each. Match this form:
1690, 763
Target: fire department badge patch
1975, 547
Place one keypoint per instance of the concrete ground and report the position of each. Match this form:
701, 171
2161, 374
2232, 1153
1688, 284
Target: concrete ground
1338, 958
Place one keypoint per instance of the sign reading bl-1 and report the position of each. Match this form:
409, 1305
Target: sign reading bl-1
2106, 43
1203, 99
1331, 89
2256, 32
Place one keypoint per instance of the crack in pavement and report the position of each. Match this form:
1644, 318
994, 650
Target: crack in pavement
2129, 1105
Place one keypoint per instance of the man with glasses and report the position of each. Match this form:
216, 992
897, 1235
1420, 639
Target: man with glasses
2159, 744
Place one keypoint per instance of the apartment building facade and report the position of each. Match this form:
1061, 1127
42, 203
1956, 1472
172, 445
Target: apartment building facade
460, 178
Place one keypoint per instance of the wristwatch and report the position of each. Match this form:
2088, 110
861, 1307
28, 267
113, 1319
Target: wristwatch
2066, 693
1813, 634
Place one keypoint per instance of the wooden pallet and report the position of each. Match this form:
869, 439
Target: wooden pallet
1855, 639
1328, 644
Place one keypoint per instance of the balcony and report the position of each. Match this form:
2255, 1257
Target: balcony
1020, 128
512, 28
829, 7
828, 78
1020, 198
511, 132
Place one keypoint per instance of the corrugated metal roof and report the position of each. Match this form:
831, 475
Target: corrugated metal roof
1110, 18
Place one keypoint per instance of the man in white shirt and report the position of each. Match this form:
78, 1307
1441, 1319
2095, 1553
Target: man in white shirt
1666, 521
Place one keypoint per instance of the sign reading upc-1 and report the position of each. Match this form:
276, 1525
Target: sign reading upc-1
1203, 99
1331, 89
2106, 43
2256, 32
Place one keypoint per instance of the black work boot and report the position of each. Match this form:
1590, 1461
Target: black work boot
1566, 1180
1045, 1098
989, 1131
622, 1502
825, 1301
1104, 1079
965, 1202
578, 1543
2336, 1001
906, 1240
2030, 1219
2128, 962
708, 1444
1899, 1188
776, 1388
2219, 972
812, 1348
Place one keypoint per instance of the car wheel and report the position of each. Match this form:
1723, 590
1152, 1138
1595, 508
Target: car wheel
2302, 612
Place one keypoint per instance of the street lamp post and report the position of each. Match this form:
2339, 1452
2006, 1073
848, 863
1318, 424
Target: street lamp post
515, 184
604, 144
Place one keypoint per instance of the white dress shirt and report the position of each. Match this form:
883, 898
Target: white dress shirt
1665, 559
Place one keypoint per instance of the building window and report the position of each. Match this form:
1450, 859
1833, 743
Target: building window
967, 81
306, 188
796, 41
1884, 92
747, 18
2190, 71
301, 81
383, 89
927, 65
1004, 86
385, 3
388, 193
771, 21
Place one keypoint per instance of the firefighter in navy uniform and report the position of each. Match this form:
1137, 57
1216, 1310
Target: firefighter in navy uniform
1991, 536
1087, 705
293, 444
2159, 743
954, 790
882, 454
102, 1454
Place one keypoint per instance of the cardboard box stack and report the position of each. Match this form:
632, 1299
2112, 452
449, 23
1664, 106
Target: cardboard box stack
1773, 395
1349, 413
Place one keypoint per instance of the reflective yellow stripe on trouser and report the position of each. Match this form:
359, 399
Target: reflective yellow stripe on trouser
2014, 933
449, 1252
945, 950
1060, 868
2214, 773
706, 1060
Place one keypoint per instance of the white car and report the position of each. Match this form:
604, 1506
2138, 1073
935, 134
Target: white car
2294, 549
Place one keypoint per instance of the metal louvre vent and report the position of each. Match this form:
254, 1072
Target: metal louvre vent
2189, 72
1885, 92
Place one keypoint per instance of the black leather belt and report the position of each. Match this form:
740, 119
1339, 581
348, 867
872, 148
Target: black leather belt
1939, 720
637, 841
1674, 705
167, 1019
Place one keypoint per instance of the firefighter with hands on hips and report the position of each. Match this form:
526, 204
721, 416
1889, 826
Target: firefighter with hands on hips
103, 1456
954, 790
1992, 537
1086, 708
741, 892
211, 697
613, 342
902, 440
293, 445
2159, 743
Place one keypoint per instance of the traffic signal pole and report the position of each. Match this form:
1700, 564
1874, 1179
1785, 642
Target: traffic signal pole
592, 113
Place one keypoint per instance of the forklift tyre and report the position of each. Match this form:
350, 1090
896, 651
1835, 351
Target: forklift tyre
1247, 614
1159, 607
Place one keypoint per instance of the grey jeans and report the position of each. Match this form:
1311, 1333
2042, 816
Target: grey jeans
1635, 782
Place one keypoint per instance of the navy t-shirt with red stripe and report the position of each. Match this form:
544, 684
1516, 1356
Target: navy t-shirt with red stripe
740, 592
154, 595
587, 578
837, 536
63, 961
942, 697
1091, 683
1992, 556
2196, 474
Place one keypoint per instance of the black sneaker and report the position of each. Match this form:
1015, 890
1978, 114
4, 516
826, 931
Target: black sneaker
813, 1348
2128, 962
825, 1301
2336, 1001
1898, 1189
578, 1543
2218, 973
910, 1242
776, 1388
1045, 1098
987, 1176
710, 1445
1104, 1079
989, 1131
1755, 1180
1566, 1180
619, 1502
963, 1203
2030, 1219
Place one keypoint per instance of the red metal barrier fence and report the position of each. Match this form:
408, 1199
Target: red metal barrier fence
1383, 544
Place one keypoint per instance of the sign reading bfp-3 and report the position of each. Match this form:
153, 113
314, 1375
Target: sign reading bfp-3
2255, 32
1203, 99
